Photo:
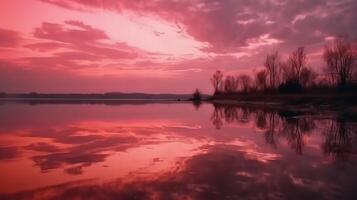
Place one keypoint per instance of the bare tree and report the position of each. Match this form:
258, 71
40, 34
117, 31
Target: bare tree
216, 81
245, 81
341, 60
272, 63
230, 84
322, 82
307, 77
261, 80
286, 72
296, 63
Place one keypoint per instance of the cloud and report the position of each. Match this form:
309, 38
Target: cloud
42, 147
46, 46
86, 39
70, 46
58, 32
228, 25
9, 38
9, 153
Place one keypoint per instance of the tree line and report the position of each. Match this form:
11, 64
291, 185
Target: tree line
294, 75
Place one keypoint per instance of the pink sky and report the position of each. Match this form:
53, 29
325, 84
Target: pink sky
156, 46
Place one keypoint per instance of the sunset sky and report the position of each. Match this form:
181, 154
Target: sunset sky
156, 46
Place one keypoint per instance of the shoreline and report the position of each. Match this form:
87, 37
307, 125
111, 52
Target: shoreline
288, 99
339, 106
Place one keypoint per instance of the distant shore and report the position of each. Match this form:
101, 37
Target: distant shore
93, 96
317, 100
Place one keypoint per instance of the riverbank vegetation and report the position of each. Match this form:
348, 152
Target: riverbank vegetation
294, 76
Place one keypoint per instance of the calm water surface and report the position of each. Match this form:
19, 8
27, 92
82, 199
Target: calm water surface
174, 151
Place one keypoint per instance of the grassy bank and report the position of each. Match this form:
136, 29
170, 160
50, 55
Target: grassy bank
334, 99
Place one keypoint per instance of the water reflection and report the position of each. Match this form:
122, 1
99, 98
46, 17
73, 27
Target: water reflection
131, 152
340, 139
292, 126
222, 172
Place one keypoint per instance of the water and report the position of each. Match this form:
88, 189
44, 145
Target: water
174, 151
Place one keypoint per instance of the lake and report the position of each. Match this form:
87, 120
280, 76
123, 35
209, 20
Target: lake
167, 150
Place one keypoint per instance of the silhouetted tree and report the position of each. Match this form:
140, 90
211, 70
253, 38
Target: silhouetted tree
292, 70
196, 99
272, 64
230, 84
196, 96
322, 82
293, 75
216, 81
261, 80
245, 82
340, 58
307, 77
297, 62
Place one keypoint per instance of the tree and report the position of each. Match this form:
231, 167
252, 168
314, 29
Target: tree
307, 77
292, 72
245, 82
322, 82
230, 84
216, 81
196, 96
272, 65
296, 63
261, 80
340, 58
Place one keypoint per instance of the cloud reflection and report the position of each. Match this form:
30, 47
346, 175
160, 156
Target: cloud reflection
222, 172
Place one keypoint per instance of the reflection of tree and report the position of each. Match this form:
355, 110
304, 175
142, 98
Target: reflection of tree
230, 114
340, 136
260, 119
197, 104
294, 130
271, 131
341, 139
216, 117
281, 126
244, 114
276, 125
